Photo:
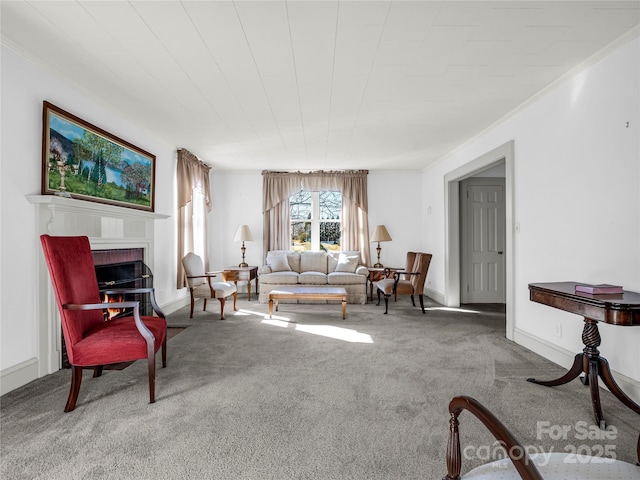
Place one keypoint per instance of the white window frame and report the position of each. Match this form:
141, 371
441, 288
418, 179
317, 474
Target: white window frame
315, 221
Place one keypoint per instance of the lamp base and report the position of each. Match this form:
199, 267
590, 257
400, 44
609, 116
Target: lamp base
378, 265
243, 264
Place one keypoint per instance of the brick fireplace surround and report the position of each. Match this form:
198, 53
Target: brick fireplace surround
108, 227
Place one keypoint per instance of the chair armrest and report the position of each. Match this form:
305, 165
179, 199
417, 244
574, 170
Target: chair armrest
515, 451
150, 290
142, 328
362, 270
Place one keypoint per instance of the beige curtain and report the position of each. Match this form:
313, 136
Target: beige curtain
194, 202
277, 187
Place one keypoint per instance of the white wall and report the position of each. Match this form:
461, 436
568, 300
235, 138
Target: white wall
24, 87
577, 202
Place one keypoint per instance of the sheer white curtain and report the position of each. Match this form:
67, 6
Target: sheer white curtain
277, 187
194, 202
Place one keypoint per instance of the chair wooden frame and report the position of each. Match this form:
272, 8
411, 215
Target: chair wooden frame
76, 370
192, 263
222, 300
416, 287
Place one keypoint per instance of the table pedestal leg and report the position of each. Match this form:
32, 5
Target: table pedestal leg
593, 366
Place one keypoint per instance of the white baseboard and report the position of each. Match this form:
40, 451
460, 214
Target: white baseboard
564, 358
175, 305
18, 375
437, 296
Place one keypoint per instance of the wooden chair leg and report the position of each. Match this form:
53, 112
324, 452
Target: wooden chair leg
204, 307
235, 301
413, 301
192, 304
76, 380
222, 302
164, 352
151, 364
421, 298
386, 303
97, 371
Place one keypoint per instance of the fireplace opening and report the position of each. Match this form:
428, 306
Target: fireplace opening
126, 275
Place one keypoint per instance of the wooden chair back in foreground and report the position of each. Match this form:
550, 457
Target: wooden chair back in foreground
518, 464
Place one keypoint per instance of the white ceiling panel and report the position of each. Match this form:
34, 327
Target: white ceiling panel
314, 84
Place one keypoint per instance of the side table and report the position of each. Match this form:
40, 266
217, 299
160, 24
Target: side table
242, 274
622, 309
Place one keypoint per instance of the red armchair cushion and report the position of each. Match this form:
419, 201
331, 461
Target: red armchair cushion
117, 341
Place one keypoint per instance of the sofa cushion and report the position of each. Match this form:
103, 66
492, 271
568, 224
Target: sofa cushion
279, 278
347, 263
332, 259
343, 278
313, 262
292, 257
279, 263
312, 278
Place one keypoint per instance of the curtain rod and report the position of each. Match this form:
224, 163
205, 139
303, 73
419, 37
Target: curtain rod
202, 163
311, 172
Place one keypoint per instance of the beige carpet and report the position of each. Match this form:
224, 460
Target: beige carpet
305, 395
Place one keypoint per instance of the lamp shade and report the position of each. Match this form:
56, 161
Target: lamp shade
380, 234
243, 234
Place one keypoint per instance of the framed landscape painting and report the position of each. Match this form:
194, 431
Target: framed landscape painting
80, 160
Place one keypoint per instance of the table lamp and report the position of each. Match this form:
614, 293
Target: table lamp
243, 234
380, 234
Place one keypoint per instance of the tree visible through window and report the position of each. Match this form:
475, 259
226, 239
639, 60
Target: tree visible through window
315, 220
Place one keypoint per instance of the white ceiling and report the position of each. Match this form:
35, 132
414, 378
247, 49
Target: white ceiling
302, 85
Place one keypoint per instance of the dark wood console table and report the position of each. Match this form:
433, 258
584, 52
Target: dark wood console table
616, 309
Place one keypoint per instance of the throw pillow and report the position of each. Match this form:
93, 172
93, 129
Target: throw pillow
279, 263
347, 263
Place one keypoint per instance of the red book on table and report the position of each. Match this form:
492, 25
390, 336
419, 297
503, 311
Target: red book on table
601, 288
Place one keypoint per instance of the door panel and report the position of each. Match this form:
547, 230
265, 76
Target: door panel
483, 240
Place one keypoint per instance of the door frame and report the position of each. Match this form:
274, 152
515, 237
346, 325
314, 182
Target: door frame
452, 255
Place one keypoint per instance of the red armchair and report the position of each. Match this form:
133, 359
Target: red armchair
92, 341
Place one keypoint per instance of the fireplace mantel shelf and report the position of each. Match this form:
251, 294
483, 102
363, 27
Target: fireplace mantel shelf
92, 208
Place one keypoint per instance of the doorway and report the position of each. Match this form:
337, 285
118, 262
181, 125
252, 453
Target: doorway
500, 156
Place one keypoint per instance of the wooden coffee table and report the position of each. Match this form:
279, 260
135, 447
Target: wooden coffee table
308, 293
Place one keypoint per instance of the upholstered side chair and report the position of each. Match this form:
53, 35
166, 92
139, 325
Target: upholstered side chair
517, 463
201, 286
407, 282
91, 338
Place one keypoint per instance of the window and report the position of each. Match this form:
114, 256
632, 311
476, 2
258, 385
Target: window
315, 220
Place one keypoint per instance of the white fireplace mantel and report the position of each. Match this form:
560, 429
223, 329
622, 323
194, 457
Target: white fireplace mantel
108, 227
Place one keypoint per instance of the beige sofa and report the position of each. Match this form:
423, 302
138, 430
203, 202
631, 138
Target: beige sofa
333, 269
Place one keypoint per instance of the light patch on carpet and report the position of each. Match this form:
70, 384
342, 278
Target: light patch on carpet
276, 323
339, 333
452, 309
331, 331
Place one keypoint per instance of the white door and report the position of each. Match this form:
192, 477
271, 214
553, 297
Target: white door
483, 240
